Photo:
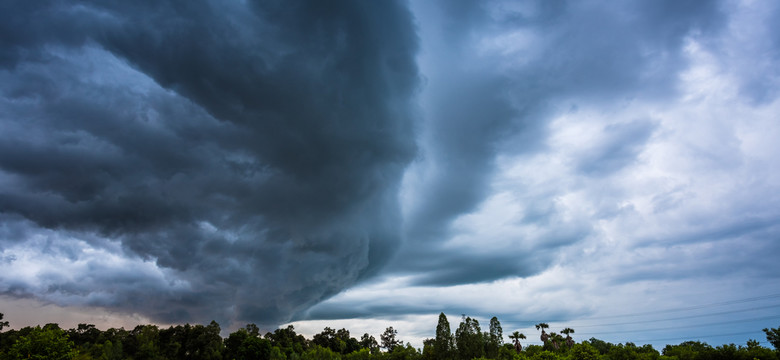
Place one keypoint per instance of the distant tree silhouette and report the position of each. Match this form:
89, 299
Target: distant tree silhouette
516, 336
544, 337
569, 340
3, 324
772, 335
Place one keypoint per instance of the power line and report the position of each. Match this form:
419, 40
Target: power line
698, 337
697, 307
685, 317
688, 308
687, 338
684, 326
655, 320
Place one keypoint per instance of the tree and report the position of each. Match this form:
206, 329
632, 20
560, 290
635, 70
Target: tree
369, 342
146, 342
494, 339
253, 329
516, 336
350, 344
388, 338
444, 344
544, 336
772, 335
584, 351
204, 342
288, 340
3, 324
469, 339
111, 351
556, 340
569, 340
48, 343
328, 339
319, 353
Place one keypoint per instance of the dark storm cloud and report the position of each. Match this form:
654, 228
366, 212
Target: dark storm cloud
253, 151
483, 105
760, 41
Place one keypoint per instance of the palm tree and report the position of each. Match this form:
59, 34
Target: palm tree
516, 336
569, 340
556, 340
544, 336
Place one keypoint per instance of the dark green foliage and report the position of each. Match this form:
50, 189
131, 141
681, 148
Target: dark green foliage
508, 352
47, 343
388, 338
327, 339
545, 355
287, 340
494, 339
600, 345
319, 353
146, 341
689, 350
469, 340
337, 341
244, 345
110, 351
369, 342
3, 324
772, 335
631, 351
530, 350
444, 343
401, 352
584, 351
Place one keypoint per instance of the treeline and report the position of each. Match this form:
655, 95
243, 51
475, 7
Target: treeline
468, 342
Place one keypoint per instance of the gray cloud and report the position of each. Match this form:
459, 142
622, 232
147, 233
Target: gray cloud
481, 106
242, 161
251, 151
619, 147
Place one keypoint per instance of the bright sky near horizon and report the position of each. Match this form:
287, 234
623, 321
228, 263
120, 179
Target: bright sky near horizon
606, 166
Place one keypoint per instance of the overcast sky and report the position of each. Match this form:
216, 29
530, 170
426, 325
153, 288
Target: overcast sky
606, 166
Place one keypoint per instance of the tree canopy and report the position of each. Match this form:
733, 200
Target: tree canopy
469, 342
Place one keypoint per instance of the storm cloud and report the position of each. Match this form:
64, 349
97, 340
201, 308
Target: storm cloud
587, 160
347, 163
241, 159
498, 74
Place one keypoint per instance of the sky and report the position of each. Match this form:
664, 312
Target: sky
606, 166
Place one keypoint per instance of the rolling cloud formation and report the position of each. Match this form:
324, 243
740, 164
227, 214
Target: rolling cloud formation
197, 160
268, 161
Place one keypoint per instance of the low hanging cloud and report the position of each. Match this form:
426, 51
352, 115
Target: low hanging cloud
191, 161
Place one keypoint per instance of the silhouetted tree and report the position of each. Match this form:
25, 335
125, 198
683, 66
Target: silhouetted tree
288, 340
772, 335
544, 337
3, 324
369, 342
494, 339
469, 340
516, 336
444, 343
569, 340
388, 338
